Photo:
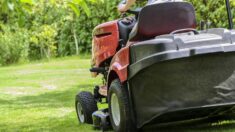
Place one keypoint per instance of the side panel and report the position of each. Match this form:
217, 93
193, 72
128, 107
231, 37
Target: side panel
119, 64
105, 42
181, 85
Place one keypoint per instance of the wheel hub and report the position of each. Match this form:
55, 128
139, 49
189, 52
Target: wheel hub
115, 109
81, 115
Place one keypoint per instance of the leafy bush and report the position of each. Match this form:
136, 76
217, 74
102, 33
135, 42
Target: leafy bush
66, 37
55, 28
13, 45
81, 27
42, 42
213, 11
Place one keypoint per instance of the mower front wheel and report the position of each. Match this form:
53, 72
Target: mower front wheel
85, 105
119, 108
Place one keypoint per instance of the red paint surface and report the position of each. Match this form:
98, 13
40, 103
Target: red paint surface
105, 42
120, 63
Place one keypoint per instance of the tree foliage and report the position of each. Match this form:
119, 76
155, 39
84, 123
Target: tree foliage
213, 11
13, 44
36, 29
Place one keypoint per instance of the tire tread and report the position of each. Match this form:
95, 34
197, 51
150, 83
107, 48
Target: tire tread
88, 104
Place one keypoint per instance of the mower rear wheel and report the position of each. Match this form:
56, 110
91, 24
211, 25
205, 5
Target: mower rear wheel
85, 105
119, 107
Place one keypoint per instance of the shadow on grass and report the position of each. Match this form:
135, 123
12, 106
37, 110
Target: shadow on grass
3, 101
52, 99
46, 101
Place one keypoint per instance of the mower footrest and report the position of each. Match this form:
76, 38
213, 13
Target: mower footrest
101, 120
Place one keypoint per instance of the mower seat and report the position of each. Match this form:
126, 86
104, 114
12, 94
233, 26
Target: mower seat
163, 18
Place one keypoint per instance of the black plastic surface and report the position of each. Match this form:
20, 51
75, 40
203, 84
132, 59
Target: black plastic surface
168, 47
183, 84
178, 77
125, 29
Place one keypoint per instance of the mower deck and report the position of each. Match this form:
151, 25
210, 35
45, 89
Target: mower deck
180, 74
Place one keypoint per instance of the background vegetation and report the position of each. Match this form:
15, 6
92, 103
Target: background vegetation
36, 29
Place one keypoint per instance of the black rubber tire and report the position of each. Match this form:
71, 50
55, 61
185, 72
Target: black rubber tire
88, 104
126, 124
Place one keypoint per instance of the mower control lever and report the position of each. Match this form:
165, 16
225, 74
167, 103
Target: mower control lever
98, 70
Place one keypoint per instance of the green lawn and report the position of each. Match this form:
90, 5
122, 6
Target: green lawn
40, 97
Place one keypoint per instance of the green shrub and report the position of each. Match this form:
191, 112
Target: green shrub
52, 29
81, 27
213, 11
43, 42
66, 42
13, 45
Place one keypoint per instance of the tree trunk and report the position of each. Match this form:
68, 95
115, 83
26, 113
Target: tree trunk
76, 41
41, 51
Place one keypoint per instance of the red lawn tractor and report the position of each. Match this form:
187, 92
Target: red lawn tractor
158, 69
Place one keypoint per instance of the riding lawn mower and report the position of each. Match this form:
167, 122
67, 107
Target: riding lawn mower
159, 69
